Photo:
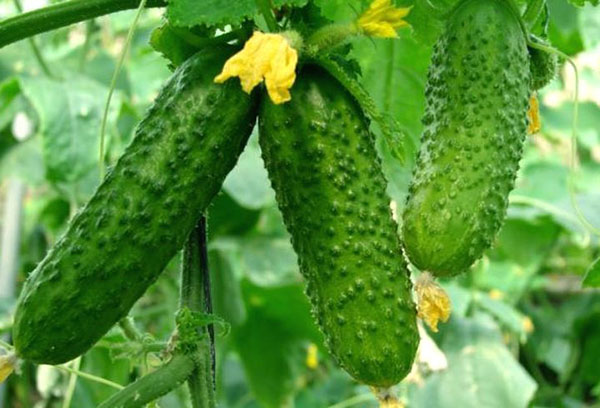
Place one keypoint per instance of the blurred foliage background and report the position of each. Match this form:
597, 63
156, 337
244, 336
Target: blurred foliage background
523, 333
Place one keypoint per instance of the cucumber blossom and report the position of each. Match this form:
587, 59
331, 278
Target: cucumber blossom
477, 94
139, 216
330, 188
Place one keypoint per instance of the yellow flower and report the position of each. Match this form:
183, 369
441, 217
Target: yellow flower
7, 366
527, 324
533, 114
382, 19
433, 303
312, 358
267, 57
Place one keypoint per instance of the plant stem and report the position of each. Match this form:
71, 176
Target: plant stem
62, 14
90, 377
153, 385
72, 382
89, 32
34, 48
265, 9
113, 83
195, 295
127, 325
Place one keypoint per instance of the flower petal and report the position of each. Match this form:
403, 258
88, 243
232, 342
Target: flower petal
382, 19
7, 366
433, 303
267, 57
533, 115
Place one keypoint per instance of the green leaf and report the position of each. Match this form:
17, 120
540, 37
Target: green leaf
225, 288
24, 160
292, 3
581, 3
481, 371
393, 70
9, 92
563, 31
268, 261
248, 182
460, 298
592, 276
69, 114
341, 10
272, 341
507, 315
164, 40
227, 217
426, 19
188, 13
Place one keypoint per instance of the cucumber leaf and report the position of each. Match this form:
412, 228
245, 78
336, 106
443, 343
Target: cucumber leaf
592, 277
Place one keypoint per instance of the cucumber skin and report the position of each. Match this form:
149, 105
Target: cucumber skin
475, 121
327, 177
544, 67
140, 215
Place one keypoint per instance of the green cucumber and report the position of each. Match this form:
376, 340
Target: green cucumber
477, 95
543, 65
139, 216
330, 188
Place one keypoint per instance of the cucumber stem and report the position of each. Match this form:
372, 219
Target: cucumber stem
153, 385
265, 10
573, 159
195, 295
60, 15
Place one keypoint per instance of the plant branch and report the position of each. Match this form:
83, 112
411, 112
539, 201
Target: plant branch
153, 385
131, 332
113, 83
89, 32
62, 14
265, 9
195, 295
34, 48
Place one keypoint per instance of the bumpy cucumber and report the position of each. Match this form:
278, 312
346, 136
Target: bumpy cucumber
543, 65
327, 177
139, 216
475, 122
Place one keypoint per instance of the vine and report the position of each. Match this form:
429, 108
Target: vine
61, 15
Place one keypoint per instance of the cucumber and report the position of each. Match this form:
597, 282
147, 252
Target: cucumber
477, 94
139, 216
543, 65
330, 188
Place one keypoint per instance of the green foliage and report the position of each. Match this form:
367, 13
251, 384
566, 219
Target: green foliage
68, 114
592, 276
281, 353
165, 40
475, 350
189, 13
533, 271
